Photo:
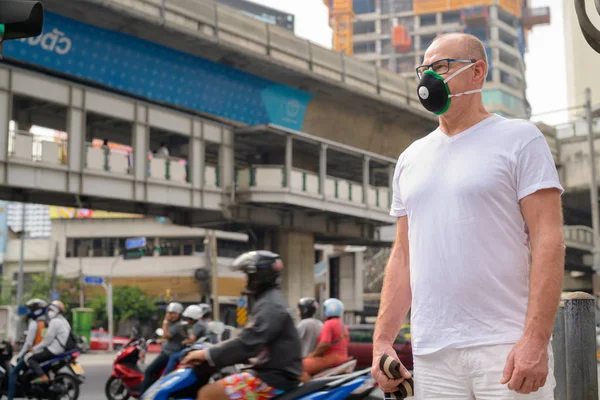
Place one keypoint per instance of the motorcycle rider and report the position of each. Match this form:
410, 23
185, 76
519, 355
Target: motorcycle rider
332, 349
196, 315
56, 341
174, 333
270, 336
309, 328
35, 332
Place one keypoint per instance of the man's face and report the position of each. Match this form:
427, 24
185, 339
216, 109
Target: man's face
450, 48
172, 317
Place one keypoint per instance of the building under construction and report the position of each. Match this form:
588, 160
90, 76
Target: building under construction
394, 34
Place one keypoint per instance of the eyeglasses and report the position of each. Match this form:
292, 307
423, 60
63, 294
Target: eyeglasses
440, 67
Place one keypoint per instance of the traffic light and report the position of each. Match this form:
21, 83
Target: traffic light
20, 19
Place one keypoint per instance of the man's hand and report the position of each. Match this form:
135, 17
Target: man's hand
526, 367
194, 358
386, 384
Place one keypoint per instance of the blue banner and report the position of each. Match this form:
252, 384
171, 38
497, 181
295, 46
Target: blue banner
158, 73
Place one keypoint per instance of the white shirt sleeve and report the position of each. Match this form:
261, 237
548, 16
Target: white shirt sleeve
397, 209
535, 169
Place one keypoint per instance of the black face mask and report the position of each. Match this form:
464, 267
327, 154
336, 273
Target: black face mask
434, 93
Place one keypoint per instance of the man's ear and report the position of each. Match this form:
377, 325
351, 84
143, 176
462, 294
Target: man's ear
480, 72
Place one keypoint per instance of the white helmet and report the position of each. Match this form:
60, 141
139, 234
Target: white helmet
206, 309
193, 312
175, 307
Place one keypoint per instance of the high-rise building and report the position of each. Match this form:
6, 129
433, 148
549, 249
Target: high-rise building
583, 63
394, 34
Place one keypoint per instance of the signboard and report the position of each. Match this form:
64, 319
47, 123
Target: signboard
242, 303
54, 295
93, 280
84, 213
134, 254
135, 243
242, 316
140, 67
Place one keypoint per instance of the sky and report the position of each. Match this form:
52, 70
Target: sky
544, 59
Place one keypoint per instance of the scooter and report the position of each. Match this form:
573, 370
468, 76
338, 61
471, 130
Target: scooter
126, 378
184, 384
65, 374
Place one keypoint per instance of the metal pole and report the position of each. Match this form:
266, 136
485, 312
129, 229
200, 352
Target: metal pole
81, 300
109, 311
54, 267
580, 328
559, 349
21, 268
109, 304
593, 181
215, 276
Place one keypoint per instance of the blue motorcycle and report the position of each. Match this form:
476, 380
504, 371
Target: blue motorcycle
184, 384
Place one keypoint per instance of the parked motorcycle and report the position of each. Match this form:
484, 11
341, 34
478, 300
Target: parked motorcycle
66, 375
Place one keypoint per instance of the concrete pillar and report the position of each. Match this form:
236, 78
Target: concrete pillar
5, 114
494, 32
197, 156
351, 282
322, 168
289, 149
297, 253
438, 18
141, 143
494, 62
226, 161
76, 130
365, 179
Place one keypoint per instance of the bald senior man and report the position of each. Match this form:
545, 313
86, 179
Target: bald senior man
479, 250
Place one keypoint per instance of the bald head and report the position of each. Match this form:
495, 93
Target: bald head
463, 46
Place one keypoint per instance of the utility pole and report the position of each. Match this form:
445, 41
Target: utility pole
54, 267
593, 181
215, 275
22, 257
81, 302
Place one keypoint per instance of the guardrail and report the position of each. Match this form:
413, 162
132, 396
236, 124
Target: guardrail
224, 25
37, 148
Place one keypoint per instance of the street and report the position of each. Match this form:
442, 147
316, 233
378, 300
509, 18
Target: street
98, 367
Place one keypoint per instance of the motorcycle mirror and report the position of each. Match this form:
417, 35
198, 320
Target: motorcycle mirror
159, 332
216, 327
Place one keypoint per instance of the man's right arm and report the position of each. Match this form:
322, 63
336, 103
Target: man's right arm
396, 296
31, 334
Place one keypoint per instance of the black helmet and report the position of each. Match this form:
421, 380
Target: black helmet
37, 308
262, 267
308, 307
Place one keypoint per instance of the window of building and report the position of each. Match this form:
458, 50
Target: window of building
426, 40
365, 47
451, 17
361, 27
510, 80
363, 6
428, 20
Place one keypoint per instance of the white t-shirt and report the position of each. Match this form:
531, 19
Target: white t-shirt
468, 242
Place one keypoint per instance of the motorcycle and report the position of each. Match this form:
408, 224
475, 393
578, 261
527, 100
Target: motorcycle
126, 378
184, 384
66, 375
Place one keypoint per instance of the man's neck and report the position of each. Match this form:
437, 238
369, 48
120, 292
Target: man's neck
454, 124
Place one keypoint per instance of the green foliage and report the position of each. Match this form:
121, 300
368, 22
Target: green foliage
129, 302
37, 286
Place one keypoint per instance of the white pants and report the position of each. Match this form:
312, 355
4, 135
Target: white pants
471, 373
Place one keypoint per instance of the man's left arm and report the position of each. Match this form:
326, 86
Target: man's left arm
539, 192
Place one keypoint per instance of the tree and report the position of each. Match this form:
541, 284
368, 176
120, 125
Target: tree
129, 302
37, 286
